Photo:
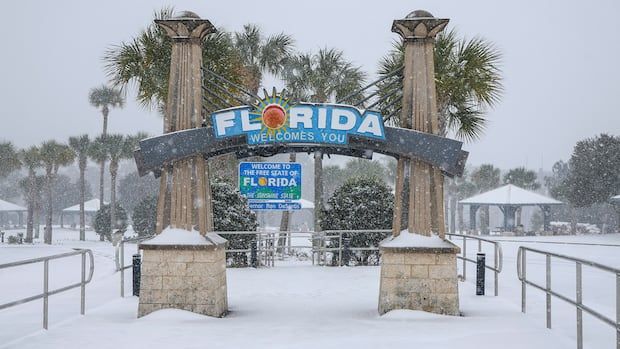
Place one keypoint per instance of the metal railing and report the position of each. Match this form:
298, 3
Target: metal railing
121, 247
498, 256
333, 236
46, 292
577, 302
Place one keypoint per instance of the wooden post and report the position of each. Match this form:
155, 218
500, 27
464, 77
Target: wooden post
419, 111
185, 192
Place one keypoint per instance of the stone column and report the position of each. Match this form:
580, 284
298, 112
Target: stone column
185, 193
419, 112
176, 275
419, 274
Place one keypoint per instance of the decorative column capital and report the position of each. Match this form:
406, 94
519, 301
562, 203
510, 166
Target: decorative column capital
186, 26
419, 25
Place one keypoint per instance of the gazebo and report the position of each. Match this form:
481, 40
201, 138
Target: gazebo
9, 207
509, 198
90, 207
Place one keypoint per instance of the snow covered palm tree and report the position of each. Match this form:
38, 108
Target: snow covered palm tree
53, 156
105, 97
31, 159
325, 76
467, 77
80, 146
260, 54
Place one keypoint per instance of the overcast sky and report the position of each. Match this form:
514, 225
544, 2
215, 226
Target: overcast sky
561, 62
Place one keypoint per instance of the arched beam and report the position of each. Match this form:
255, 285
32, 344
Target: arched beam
153, 153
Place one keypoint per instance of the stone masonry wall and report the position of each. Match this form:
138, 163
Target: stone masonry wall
193, 280
419, 281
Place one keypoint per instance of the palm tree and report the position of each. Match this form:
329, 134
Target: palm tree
118, 147
325, 76
485, 177
467, 77
105, 97
145, 61
260, 54
80, 146
98, 152
9, 159
53, 156
31, 159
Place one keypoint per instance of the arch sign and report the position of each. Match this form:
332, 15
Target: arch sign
274, 120
274, 125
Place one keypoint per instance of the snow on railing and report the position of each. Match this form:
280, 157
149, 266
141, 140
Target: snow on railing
498, 257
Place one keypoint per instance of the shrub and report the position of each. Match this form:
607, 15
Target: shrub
102, 220
360, 203
144, 216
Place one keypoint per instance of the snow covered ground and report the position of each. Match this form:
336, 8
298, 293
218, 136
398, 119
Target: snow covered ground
296, 305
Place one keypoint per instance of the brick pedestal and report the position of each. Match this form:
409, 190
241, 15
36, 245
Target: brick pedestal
419, 278
188, 277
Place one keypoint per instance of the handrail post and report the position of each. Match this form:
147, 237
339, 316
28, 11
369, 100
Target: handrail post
45, 289
548, 292
340, 248
523, 278
496, 266
464, 257
578, 289
122, 263
83, 285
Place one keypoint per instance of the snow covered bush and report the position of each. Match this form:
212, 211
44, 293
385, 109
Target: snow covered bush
231, 213
144, 216
102, 221
360, 203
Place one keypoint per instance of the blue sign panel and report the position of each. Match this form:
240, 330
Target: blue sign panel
273, 120
270, 180
274, 205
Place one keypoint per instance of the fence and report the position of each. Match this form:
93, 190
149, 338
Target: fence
498, 256
46, 292
577, 302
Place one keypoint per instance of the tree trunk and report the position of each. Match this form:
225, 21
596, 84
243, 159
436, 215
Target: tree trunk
101, 175
47, 234
318, 189
29, 218
453, 200
82, 197
113, 170
461, 225
37, 216
286, 215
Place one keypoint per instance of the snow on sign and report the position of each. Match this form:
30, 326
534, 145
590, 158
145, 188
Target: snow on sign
270, 180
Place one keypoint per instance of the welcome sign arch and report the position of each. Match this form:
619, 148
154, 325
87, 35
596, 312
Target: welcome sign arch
273, 125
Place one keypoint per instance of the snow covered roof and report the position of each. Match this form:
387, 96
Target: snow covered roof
615, 199
510, 194
89, 206
6, 206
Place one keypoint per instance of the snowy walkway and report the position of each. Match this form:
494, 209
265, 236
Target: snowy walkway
295, 305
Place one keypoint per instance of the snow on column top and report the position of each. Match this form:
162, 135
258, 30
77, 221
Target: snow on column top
176, 236
409, 241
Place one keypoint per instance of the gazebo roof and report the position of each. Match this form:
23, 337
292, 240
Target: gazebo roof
6, 206
510, 194
615, 199
89, 206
